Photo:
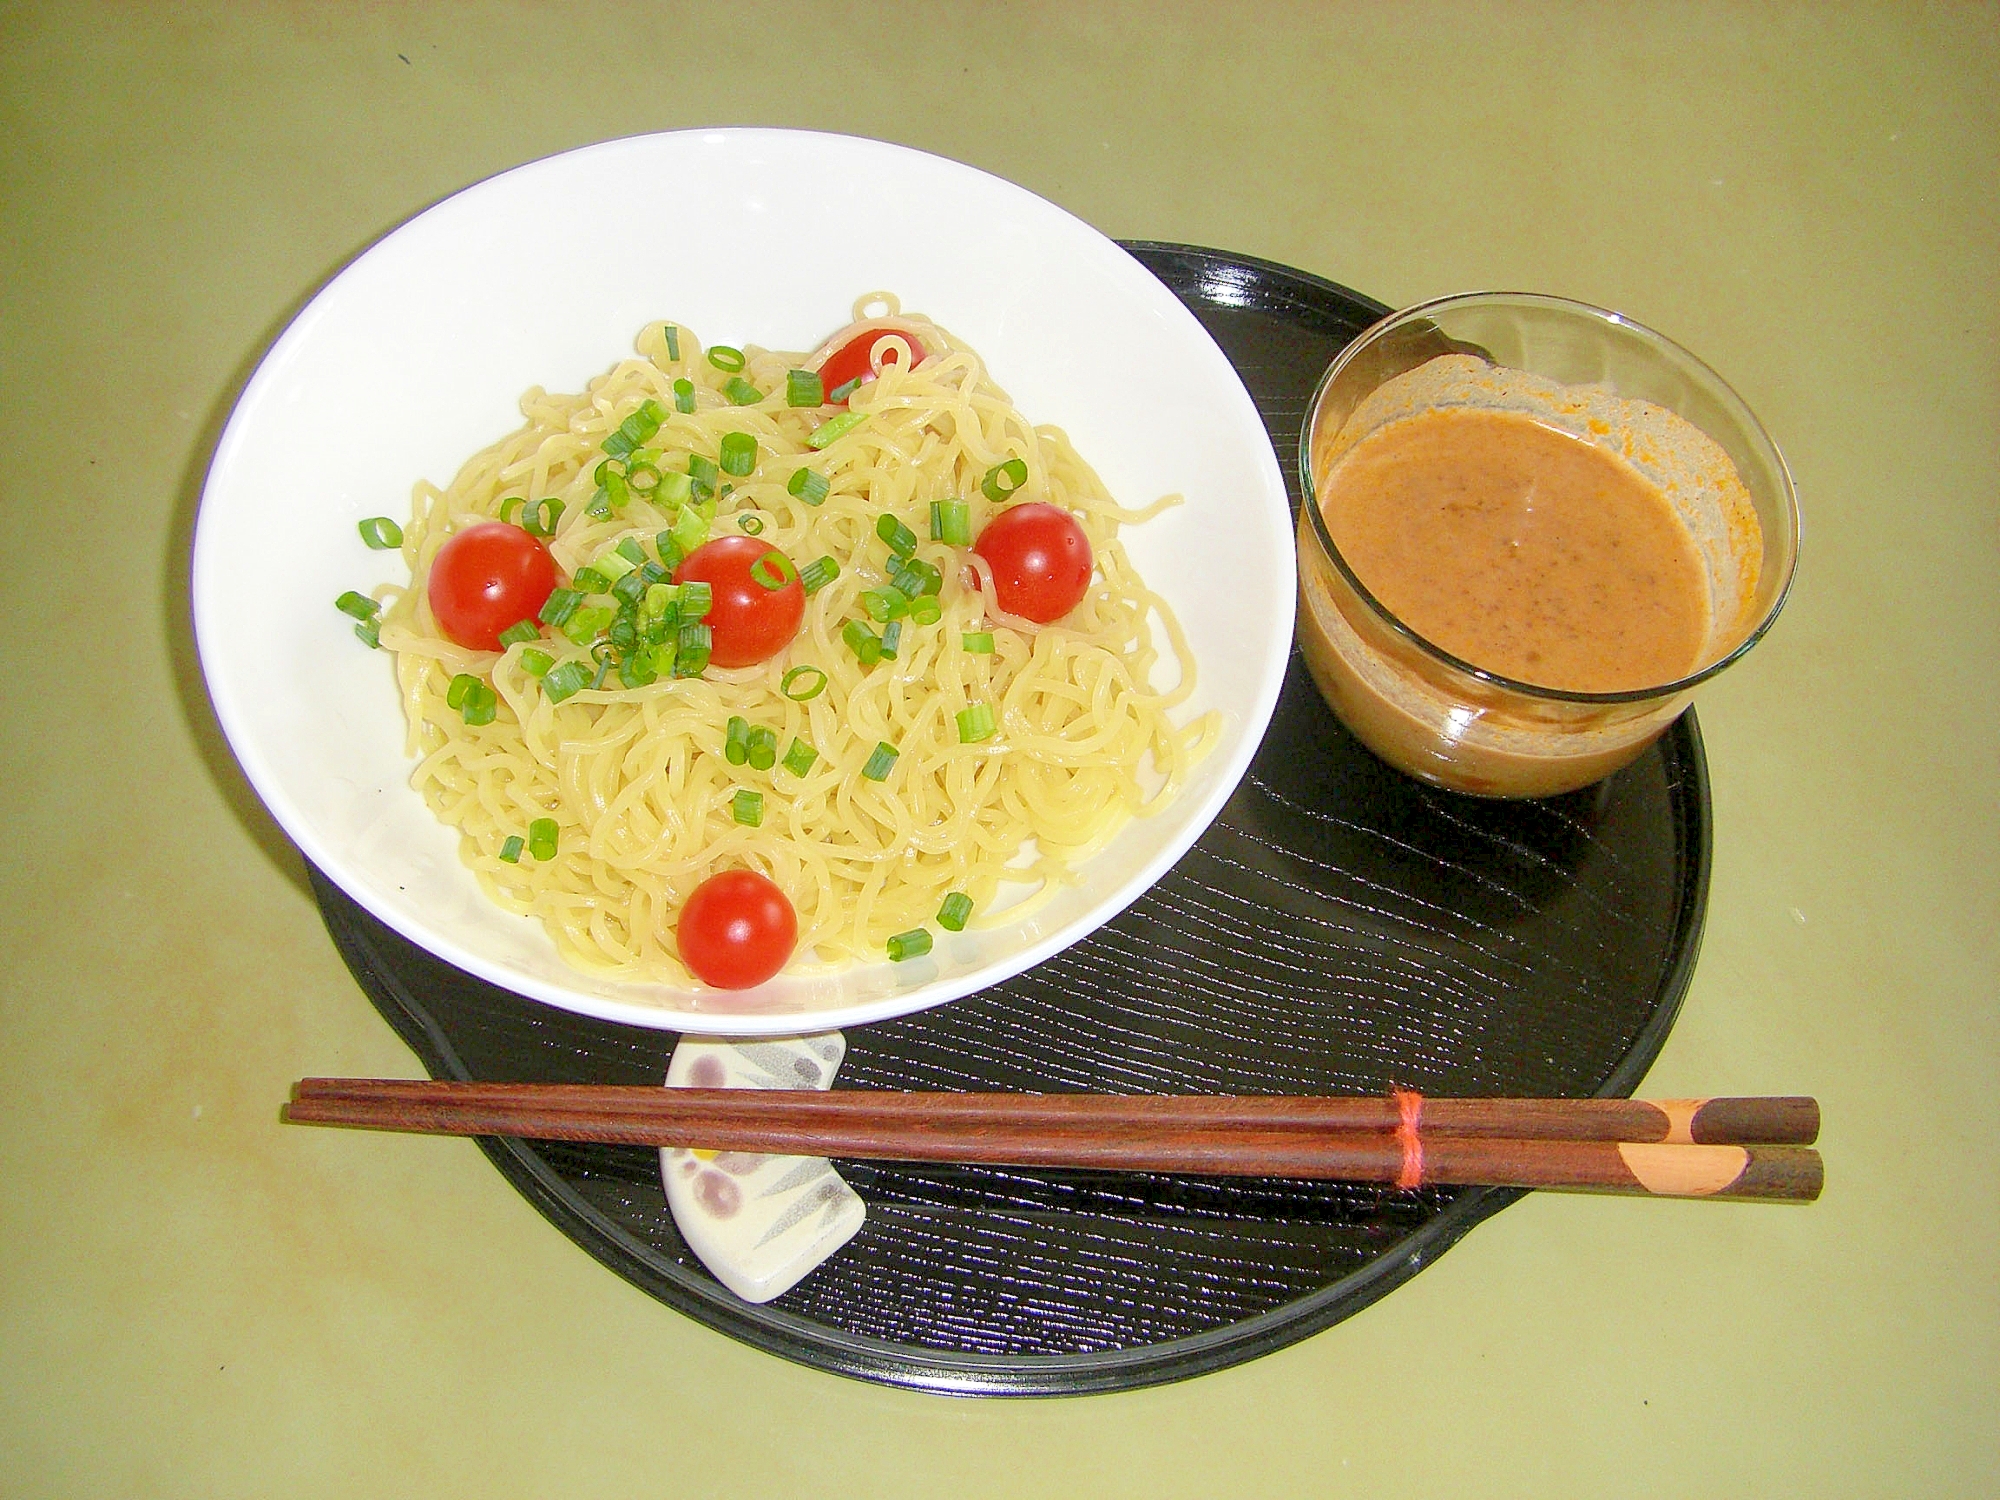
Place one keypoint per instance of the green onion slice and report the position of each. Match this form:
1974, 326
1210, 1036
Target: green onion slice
539, 517
835, 428
902, 541
511, 850
520, 631
813, 678
643, 478
862, 641
684, 396
381, 533
747, 807
1003, 479
588, 580
951, 522
456, 691
369, 633
536, 663
360, 606
975, 724
559, 606
736, 740
763, 747
508, 505
697, 596
673, 336
725, 357
880, 762
741, 392
925, 610
481, 704
912, 944
543, 836
818, 573
892, 639
804, 388
957, 907
566, 680
808, 486
800, 757
739, 453
979, 642
885, 604
691, 657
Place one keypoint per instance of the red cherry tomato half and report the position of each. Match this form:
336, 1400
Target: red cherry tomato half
860, 357
737, 930
1040, 559
749, 621
486, 578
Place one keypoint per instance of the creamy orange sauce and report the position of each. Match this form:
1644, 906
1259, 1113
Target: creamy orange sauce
1520, 549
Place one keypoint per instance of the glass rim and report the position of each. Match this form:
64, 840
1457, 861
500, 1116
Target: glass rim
1309, 502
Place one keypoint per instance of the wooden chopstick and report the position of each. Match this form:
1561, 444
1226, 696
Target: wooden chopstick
1668, 1148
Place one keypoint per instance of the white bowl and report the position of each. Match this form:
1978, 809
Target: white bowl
416, 355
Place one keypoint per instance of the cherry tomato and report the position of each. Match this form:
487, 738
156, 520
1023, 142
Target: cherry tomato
737, 930
486, 578
857, 358
748, 622
1040, 559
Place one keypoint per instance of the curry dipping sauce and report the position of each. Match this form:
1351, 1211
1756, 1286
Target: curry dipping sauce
1562, 538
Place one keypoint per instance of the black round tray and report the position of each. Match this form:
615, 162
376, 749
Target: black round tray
1340, 929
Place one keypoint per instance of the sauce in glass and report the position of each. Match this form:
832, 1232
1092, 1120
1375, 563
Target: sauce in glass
1521, 550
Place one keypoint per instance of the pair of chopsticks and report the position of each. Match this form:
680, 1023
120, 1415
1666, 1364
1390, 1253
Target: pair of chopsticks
1754, 1148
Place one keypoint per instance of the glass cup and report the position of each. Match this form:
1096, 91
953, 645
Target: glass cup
1603, 379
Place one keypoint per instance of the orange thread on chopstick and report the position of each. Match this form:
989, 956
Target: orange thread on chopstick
1409, 1113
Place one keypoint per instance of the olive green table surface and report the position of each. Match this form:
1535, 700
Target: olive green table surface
196, 1300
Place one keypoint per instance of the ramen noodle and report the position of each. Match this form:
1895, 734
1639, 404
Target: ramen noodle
1013, 750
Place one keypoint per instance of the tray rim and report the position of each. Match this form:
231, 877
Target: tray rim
864, 1357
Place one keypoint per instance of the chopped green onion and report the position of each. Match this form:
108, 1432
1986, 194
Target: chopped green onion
736, 741
369, 633
511, 850
675, 488
892, 638
763, 747
539, 517
636, 429
862, 641
739, 453
815, 680
808, 486
457, 688
536, 663
673, 335
643, 478
590, 581
703, 469
885, 604
543, 835
834, 429
635, 669
683, 396
912, 944
520, 630
480, 707
951, 522
588, 623
978, 642
360, 606
741, 392
799, 759
629, 549
381, 533
747, 807
1003, 479
690, 529
697, 596
663, 657
842, 391
957, 907
804, 388
902, 541
691, 659
565, 681
818, 573
915, 577
559, 606
631, 588
773, 570
752, 524
975, 724
724, 357
925, 609
507, 506
624, 632
880, 762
